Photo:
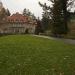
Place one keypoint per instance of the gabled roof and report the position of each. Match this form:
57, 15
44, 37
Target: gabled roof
17, 18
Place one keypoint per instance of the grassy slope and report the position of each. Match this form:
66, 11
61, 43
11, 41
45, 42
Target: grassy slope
29, 55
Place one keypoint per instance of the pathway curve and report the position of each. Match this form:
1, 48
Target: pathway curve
70, 41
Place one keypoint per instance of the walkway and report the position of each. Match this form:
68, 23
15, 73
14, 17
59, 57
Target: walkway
70, 41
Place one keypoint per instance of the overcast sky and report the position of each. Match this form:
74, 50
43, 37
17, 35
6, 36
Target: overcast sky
19, 5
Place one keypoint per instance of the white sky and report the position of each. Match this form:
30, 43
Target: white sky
19, 5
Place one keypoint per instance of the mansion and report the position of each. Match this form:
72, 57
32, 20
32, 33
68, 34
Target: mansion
17, 24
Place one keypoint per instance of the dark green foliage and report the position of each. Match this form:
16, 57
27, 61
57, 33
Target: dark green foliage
59, 15
72, 15
8, 12
45, 18
27, 12
38, 27
2, 14
45, 23
58, 26
24, 12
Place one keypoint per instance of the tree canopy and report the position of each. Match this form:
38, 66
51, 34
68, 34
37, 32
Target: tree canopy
58, 13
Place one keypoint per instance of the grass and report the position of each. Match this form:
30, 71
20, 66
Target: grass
29, 55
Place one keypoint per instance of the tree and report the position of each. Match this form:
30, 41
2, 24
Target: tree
2, 14
59, 15
45, 18
8, 12
24, 12
57, 27
27, 12
38, 28
45, 23
33, 16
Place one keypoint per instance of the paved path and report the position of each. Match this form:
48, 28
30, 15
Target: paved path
70, 41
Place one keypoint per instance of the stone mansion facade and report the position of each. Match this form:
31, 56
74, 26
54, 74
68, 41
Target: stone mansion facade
17, 24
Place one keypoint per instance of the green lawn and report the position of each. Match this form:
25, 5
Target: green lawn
29, 55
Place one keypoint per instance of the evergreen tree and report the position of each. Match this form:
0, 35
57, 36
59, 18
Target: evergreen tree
45, 18
24, 12
2, 14
8, 12
45, 23
33, 16
59, 15
38, 27
59, 23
